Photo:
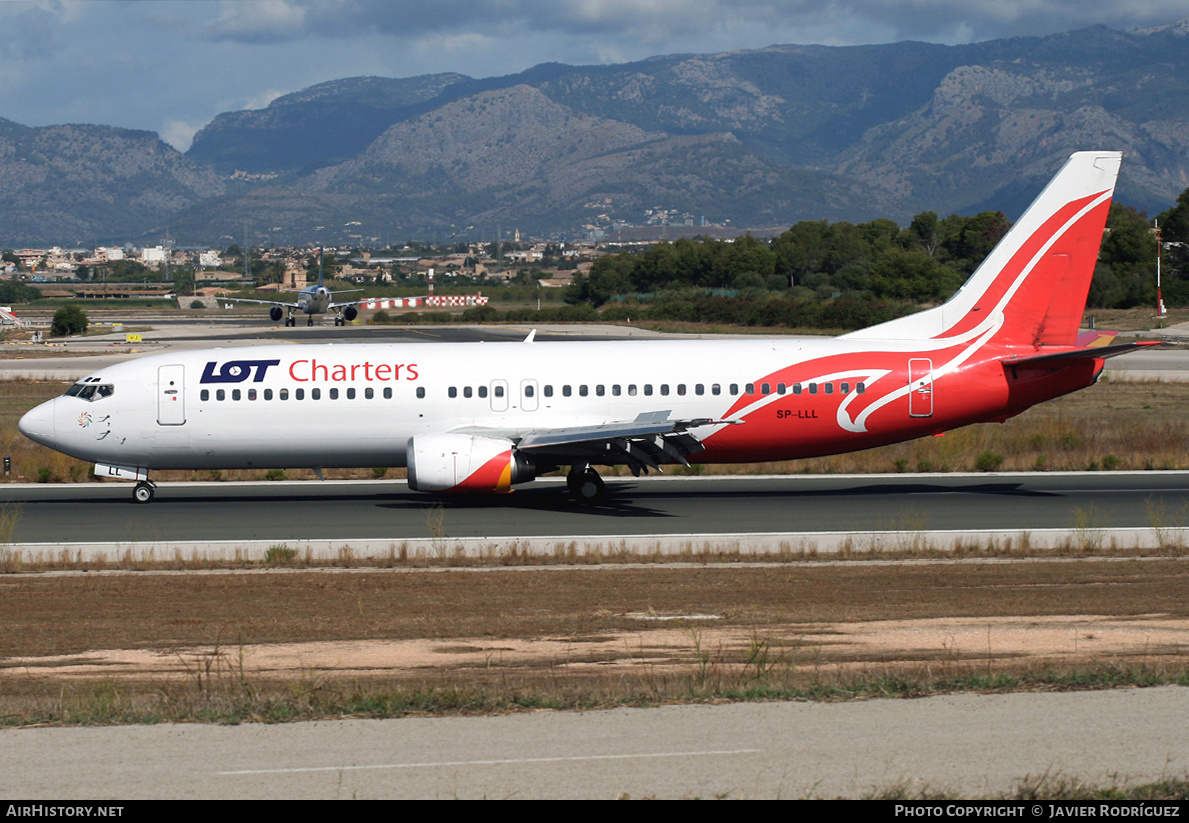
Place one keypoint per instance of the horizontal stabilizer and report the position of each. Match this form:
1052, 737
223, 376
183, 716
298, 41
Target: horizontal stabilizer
1090, 353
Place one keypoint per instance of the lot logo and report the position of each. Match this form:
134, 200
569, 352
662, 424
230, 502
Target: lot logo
236, 371
84, 419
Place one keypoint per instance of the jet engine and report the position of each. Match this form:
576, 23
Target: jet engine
276, 313
350, 313
465, 463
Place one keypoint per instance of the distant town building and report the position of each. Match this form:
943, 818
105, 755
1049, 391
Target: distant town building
209, 259
155, 255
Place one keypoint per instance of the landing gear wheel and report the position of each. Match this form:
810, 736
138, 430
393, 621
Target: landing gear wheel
289, 321
310, 320
586, 486
143, 492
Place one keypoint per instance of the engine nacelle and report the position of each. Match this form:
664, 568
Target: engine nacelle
350, 313
276, 313
465, 463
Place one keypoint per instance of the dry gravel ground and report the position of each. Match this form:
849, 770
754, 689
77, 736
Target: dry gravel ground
591, 624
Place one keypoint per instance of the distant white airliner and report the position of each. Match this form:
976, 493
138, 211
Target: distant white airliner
481, 417
315, 299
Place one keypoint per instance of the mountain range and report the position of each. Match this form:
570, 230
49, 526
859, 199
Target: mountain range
752, 139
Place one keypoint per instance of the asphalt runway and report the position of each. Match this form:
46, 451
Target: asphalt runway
734, 506
973, 745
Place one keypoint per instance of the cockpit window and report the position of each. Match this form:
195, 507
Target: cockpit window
91, 391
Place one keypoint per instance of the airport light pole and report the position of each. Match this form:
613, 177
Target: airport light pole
1160, 310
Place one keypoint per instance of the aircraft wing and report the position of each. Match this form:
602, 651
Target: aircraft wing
261, 302
645, 443
333, 306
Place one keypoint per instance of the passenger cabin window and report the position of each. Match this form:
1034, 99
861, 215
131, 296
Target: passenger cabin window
548, 390
421, 392
334, 394
299, 394
204, 394
388, 393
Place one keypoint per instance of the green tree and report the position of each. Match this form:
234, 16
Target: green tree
68, 320
12, 291
1174, 223
183, 281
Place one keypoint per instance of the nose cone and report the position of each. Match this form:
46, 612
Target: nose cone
38, 424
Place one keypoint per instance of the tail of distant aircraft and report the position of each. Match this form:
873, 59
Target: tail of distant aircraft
1031, 289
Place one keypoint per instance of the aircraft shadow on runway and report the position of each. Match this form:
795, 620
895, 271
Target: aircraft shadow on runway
623, 498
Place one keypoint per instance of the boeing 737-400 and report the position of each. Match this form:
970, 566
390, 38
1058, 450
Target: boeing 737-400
482, 417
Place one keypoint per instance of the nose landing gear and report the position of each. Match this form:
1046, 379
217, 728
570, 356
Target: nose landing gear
144, 491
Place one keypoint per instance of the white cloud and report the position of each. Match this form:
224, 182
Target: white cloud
262, 100
257, 21
180, 133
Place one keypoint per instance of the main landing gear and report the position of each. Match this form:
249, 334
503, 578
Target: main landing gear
585, 485
144, 491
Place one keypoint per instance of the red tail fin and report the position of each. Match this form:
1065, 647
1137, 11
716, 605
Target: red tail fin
1031, 290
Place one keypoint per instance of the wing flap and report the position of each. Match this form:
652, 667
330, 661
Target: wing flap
647, 442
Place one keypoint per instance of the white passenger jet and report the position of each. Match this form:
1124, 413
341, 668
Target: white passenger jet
315, 299
481, 417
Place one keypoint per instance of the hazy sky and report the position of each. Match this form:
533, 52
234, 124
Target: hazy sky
171, 65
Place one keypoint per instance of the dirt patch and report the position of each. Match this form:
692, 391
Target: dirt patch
1053, 638
588, 622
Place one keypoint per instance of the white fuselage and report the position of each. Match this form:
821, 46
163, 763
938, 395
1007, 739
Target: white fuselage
358, 405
